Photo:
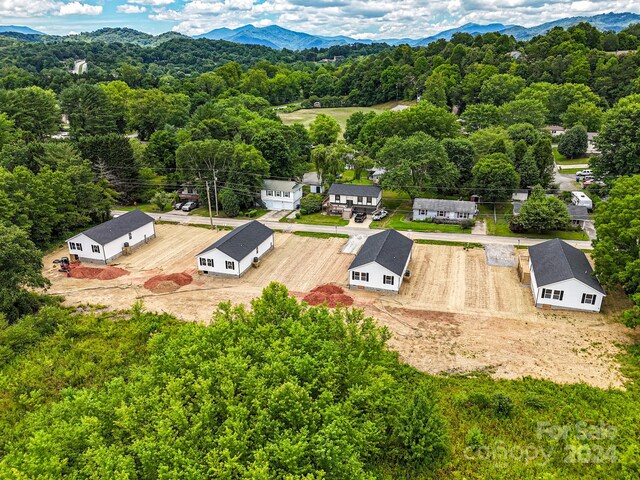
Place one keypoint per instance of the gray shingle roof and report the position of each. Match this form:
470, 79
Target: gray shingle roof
355, 190
389, 249
554, 261
280, 185
117, 227
241, 241
436, 205
578, 212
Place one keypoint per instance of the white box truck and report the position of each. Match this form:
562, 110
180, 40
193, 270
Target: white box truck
581, 199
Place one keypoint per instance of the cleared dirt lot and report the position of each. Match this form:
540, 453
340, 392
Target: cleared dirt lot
456, 314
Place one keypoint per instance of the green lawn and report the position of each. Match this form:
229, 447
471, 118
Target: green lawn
501, 226
204, 212
348, 177
562, 160
321, 235
449, 244
318, 219
145, 207
569, 171
396, 220
341, 114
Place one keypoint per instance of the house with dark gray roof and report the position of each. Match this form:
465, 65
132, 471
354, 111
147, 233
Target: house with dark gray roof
357, 198
234, 253
452, 211
109, 240
562, 277
382, 262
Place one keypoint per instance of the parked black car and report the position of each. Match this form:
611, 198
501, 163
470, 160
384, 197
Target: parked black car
360, 217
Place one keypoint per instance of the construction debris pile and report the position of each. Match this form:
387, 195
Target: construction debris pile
332, 295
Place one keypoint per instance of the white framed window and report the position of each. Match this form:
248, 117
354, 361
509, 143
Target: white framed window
337, 198
360, 276
130, 235
369, 200
203, 262
278, 193
210, 262
387, 279
269, 193
360, 200
552, 294
441, 213
230, 265
422, 212
286, 194
462, 215
72, 246
95, 248
589, 298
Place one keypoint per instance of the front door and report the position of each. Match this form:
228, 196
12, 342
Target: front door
349, 203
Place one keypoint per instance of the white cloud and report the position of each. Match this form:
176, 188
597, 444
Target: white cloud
126, 8
77, 8
377, 18
153, 3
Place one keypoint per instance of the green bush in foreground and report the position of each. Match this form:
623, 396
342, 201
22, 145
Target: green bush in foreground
283, 391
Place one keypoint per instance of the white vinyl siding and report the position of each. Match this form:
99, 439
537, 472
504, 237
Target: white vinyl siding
88, 250
218, 262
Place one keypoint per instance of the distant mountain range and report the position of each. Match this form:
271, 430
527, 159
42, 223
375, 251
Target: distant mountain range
279, 38
18, 29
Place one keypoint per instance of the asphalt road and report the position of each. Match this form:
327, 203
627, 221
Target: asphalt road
350, 230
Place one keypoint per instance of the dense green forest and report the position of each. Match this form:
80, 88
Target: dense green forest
284, 391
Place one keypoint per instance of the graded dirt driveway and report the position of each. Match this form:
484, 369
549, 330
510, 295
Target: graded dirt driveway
455, 314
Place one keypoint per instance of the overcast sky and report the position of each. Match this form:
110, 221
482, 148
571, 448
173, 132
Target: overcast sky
355, 18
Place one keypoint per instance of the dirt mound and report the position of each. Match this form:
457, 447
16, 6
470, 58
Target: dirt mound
168, 283
328, 289
106, 273
332, 295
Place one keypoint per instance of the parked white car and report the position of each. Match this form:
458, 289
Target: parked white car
585, 173
379, 215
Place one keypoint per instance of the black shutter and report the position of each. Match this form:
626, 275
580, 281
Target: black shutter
561, 294
593, 299
584, 295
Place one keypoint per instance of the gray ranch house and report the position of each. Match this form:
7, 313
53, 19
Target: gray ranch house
451, 211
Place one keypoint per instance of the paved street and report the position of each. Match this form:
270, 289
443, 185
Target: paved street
298, 227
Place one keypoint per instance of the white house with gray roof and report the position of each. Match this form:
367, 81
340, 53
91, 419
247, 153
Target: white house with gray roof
562, 277
448, 210
109, 240
234, 253
381, 262
281, 194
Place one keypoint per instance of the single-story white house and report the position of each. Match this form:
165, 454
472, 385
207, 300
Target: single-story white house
555, 130
520, 195
234, 253
450, 210
359, 198
312, 180
579, 215
375, 174
381, 262
592, 148
562, 277
281, 194
109, 240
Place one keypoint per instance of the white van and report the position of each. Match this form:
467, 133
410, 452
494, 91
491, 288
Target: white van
581, 199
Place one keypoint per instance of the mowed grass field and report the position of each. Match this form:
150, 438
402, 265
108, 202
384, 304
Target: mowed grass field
341, 114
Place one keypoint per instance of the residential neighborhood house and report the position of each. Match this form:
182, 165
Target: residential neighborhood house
354, 198
375, 174
234, 253
281, 194
555, 130
579, 215
562, 277
381, 262
109, 240
450, 211
520, 195
312, 180
591, 143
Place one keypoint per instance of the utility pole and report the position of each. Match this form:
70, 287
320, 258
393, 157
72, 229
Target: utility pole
215, 188
209, 202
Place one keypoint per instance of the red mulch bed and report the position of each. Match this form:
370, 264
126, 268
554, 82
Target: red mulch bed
332, 295
106, 273
179, 279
